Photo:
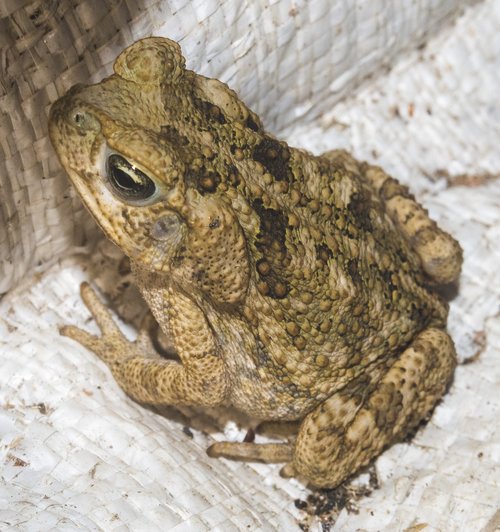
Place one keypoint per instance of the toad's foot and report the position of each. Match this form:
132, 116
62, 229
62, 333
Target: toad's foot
112, 347
252, 452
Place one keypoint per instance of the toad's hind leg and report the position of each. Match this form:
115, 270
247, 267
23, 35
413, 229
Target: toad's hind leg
439, 252
352, 427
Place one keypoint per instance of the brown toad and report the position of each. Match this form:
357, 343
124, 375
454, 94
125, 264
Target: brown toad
293, 286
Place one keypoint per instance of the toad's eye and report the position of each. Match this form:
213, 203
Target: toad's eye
127, 181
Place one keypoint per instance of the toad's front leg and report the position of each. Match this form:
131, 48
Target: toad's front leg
200, 377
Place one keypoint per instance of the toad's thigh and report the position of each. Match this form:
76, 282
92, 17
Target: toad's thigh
440, 254
346, 432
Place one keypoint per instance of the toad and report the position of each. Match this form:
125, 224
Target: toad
293, 286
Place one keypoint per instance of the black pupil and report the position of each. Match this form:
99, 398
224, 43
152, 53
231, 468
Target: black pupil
123, 179
127, 180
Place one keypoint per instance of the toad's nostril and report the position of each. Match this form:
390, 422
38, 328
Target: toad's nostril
84, 120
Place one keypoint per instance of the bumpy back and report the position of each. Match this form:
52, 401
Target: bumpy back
288, 63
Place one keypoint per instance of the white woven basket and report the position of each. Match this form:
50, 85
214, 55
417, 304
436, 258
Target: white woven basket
77, 453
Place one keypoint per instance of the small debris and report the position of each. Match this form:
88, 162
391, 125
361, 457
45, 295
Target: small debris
18, 462
300, 504
325, 505
480, 339
93, 471
187, 431
416, 528
465, 180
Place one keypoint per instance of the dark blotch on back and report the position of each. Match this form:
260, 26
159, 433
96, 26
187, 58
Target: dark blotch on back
273, 225
171, 134
251, 124
271, 244
205, 181
274, 156
359, 207
353, 269
233, 175
210, 111
323, 253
